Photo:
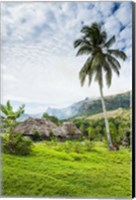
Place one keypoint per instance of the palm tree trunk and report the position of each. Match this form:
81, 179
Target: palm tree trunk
106, 120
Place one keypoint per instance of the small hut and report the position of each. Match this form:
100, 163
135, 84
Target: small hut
46, 128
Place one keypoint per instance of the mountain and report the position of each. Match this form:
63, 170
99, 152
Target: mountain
25, 116
86, 107
90, 107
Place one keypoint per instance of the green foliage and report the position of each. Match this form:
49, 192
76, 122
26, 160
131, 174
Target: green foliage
92, 133
93, 127
16, 144
52, 118
52, 173
53, 138
10, 116
101, 58
9, 113
84, 128
36, 136
91, 107
75, 146
13, 143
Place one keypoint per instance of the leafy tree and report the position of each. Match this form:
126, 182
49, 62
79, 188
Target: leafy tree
101, 60
52, 118
92, 133
9, 120
113, 131
84, 128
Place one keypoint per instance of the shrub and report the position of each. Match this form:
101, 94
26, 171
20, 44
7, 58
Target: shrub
88, 145
16, 144
36, 136
52, 118
77, 147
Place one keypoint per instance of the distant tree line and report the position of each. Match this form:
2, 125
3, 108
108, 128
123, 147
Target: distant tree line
95, 129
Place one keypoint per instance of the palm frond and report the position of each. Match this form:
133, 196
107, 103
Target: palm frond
113, 60
99, 59
82, 76
86, 29
109, 77
92, 32
78, 42
84, 71
118, 53
84, 50
110, 42
81, 42
103, 37
98, 76
114, 64
91, 70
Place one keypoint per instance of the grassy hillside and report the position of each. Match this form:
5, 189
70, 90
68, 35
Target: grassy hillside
51, 171
89, 107
120, 112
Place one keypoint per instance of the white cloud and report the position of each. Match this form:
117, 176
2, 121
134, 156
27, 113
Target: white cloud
124, 14
111, 23
38, 55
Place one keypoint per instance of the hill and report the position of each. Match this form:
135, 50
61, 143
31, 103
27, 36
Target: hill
91, 107
120, 112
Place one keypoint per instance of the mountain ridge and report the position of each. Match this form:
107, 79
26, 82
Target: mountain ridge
85, 107
90, 107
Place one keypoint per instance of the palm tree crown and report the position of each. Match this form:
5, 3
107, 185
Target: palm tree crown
101, 58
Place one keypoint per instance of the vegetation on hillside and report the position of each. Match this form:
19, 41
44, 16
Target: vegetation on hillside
93, 127
51, 118
91, 107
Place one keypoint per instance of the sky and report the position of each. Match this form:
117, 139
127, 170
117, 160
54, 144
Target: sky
39, 65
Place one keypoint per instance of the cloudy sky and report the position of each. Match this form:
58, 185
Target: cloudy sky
39, 66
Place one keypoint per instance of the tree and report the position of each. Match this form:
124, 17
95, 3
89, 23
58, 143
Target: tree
10, 119
101, 59
52, 118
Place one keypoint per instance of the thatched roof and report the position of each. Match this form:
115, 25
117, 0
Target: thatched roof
70, 129
45, 127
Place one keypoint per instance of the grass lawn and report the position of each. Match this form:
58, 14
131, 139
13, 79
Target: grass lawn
54, 171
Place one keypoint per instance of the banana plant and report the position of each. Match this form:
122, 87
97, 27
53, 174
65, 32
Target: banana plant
9, 121
10, 116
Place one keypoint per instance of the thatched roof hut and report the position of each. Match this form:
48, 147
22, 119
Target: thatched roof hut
46, 128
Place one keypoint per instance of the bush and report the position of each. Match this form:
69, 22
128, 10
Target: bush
36, 136
52, 118
16, 144
88, 145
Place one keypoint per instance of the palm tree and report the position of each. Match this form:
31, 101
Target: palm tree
101, 60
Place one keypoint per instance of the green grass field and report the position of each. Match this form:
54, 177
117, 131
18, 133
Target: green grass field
54, 171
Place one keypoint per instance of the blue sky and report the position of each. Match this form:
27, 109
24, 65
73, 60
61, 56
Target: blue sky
39, 65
